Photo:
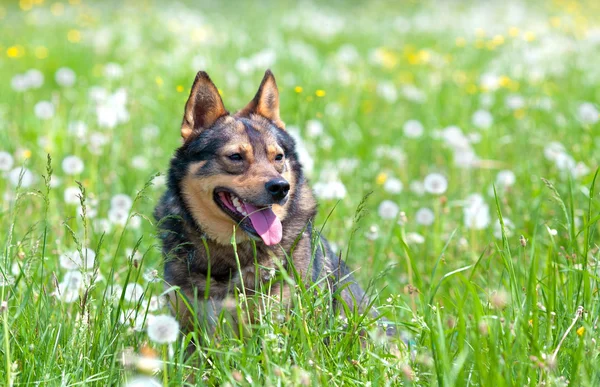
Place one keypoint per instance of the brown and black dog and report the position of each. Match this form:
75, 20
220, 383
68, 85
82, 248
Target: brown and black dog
237, 204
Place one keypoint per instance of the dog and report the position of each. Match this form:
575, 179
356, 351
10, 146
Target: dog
238, 207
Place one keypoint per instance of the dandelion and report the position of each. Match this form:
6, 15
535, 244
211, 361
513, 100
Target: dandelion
102, 226
143, 381
156, 302
72, 165
372, 233
330, 190
96, 142
77, 129
135, 222
506, 178
514, 102
587, 113
553, 150
413, 238
425, 216
24, 175
140, 162
435, 183
121, 202
482, 119
6, 161
417, 187
159, 181
19, 83
163, 329
34, 79
413, 94
73, 280
113, 71
476, 212
393, 185
387, 91
388, 209
73, 260
111, 110
133, 292
71, 195
44, 110
65, 77
413, 129
66, 294
314, 128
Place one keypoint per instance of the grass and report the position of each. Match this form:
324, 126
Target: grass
514, 302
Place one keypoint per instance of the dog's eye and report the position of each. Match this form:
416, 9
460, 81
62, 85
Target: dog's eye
235, 157
279, 157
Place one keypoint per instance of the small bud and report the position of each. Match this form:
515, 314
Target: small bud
523, 241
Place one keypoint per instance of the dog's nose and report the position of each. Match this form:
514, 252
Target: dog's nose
278, 188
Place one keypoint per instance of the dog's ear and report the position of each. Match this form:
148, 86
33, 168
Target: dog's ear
204, 106
265, 102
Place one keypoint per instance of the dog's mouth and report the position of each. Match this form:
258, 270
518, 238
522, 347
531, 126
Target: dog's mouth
258, 222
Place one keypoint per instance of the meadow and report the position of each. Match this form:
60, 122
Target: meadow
453, 146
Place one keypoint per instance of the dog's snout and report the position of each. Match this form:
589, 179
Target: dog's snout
278, 188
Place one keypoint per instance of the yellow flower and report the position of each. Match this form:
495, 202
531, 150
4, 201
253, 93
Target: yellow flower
381, 178
298, 89
580, 331
15, 51
25, 5
480, 32
74, 36
498, 40
26, 153
555, 21
513, 32
179, 88
159, 81
472, 88
461, 42
504, 81
320, 93
529, 36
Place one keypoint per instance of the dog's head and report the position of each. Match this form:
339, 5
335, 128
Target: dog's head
238, 169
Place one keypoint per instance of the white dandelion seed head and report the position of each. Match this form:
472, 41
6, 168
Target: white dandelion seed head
435, 183
417, 187
347, 53
66, 294
314, 128
159, 181
413, 129
553, 150
44, 110
73, 260
135, 222
6, 161
163, 329
102, 226
156, 302
34, 78
143, 381
476, 212
506, 178
388, 209
73, 280
113, 71
588, 113
121, 202
140, 162
412, 93
393, 185
413, 238
23, 174
77, 129
65, 77
373, 232
387, 91
133, 292
482, 119
514, 102
72, 165
96, 142
425, 216
117, 216
19, 83
330, 190
71, 195
486, 100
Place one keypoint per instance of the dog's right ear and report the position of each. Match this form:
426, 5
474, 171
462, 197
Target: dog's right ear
204, 106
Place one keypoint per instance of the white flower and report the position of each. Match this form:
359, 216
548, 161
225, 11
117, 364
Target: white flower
417, 188
65, 77
508, 228
77, 128
156, 302
454, 138
314, 128
118, 216
514, 102
330, 190
587, 113
388, 209
21, 174
506, 178
111, 110
73, 260
121, 202
425, 216
66, 294
476, 212
73, 280
489, 81
6, 161
372, 233
347, 53
414, 238
393, 185
102, 226
140, 162
72, 165
72, 195
135, 222
553, 150
113, 71
413, 129
19, 83
96, 142
44, 110
134, 318
163, 329
34, 78
435, 183
482, 119
143, 381
387, 91
159, 181
133, 292
412, 93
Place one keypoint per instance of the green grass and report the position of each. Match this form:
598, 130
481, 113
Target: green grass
511, 305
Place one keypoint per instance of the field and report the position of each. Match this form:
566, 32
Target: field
454, 148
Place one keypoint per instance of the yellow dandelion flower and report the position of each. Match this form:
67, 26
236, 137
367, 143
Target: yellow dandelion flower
41, 52
413, 59
26, 153
424, 56
580, 331
513, 32
530, 322
298, 89
555, 21
460, 42
320, 93
529, 36
14, 52
472, 88
179, 88
480, 33
25, 5
74, 36
381, 178
490, 45
38, 2
498, 40
159, 81
504, 81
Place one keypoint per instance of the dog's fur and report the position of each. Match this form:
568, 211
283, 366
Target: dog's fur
197, 233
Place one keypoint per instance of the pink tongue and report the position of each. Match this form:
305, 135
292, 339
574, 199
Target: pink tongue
266, 224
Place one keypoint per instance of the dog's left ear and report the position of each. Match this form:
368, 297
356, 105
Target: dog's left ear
265, 102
